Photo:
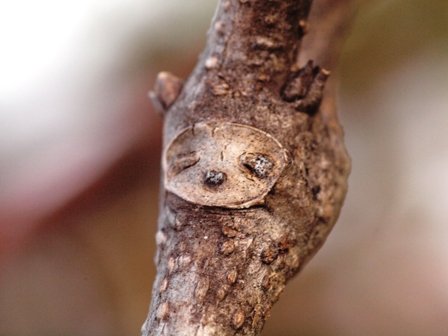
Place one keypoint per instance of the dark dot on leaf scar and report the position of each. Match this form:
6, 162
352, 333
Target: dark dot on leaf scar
259, 165
213, 178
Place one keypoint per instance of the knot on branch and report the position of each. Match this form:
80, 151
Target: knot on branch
305, 88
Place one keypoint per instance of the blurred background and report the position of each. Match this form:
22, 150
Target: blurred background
79, 169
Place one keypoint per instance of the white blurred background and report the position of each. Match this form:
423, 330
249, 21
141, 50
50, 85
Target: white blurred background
79, 160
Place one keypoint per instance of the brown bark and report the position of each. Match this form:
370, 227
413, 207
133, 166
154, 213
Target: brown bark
254, 166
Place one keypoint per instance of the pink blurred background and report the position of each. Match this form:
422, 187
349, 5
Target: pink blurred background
79, 169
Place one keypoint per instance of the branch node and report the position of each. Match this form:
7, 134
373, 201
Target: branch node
305, 88
166, 91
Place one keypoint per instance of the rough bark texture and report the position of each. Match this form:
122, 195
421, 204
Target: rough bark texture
239, 218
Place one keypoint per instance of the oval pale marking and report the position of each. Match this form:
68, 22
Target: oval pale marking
223, 164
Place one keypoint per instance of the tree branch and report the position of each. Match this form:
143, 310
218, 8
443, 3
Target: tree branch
254, 171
